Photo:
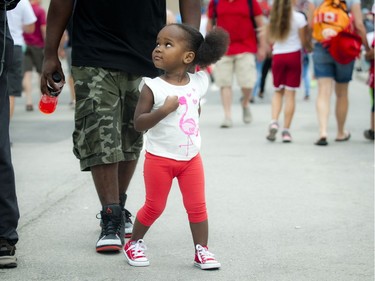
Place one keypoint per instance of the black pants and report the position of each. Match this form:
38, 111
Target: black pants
265, 69
9, 213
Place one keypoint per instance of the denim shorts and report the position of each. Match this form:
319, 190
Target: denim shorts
326, 66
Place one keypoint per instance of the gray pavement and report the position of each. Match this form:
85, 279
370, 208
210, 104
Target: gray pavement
277, 211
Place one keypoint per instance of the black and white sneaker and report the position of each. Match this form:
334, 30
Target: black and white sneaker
128, 224
111, 221
7, 255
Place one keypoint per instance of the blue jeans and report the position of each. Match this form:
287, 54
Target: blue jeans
259, 66
306, 73
326, 66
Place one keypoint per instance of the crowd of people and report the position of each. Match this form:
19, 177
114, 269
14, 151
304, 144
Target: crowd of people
115, 105
280, 38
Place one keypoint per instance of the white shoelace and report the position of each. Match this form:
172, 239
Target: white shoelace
203, 254
138, 249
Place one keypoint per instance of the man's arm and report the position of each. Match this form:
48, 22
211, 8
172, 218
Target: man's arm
58, 15
260, 32
190, 11
358, 23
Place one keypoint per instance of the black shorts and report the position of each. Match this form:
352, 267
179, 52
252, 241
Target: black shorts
33, 58
15, 73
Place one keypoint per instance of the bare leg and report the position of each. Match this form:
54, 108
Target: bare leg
290, 106
106, 182
125, 173
11, 106
139, 230
277, 103
27, 86
226, 100
246, 94
342, 105
199, 232
323, 104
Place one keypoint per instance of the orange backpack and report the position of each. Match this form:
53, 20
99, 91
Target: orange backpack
330, 18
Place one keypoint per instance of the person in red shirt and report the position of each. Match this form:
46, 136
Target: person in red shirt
369, 134
246, 42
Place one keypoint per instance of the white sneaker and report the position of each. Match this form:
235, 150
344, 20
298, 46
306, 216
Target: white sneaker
227, 123
214, 88
134, 252
246, 117
204, 259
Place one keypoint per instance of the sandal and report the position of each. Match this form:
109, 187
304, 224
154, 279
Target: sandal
322, 141
347, 137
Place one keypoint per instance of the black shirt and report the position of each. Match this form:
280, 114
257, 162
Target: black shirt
117, 34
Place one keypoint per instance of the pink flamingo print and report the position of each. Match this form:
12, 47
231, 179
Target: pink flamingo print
187, 126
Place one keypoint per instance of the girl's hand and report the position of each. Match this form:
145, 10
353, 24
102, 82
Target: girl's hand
171, 103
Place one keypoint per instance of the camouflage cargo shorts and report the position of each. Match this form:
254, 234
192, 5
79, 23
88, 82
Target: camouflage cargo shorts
105, 104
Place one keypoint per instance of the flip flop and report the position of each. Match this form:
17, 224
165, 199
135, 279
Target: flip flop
322, 142
344, 139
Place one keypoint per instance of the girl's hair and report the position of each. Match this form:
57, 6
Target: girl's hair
280, 20
207, 50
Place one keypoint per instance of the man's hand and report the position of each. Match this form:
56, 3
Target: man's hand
50, 66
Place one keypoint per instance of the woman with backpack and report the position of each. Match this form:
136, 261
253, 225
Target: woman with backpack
330, 73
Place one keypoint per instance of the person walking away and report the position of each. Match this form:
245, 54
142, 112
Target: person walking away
331, 74
9, 212
262, 66
20, 20
369, 134
246, 43
306, 74
288, 31
111, 47
303, 7
34, 52
169, 109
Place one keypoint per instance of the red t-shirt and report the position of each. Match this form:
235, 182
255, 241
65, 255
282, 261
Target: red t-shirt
36, 38
234, 17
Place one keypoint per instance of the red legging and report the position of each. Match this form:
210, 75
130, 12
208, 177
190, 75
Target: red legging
158, 175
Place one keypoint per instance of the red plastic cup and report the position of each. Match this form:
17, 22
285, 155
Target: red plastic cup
47, 104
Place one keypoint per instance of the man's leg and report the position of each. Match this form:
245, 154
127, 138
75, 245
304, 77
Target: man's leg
226, 100
27, 85
9, 213
105, 179
105, 182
